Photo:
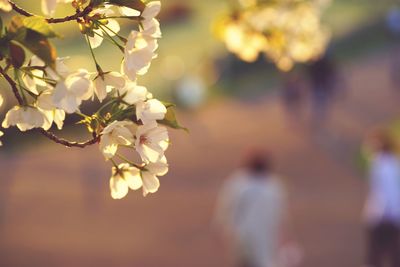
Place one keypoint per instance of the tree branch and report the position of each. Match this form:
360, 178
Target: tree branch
49, 135
76, 16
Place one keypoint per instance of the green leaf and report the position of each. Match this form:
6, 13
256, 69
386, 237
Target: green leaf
41, 47
16, 29
170, 119
40, 25
17, 55
135, 4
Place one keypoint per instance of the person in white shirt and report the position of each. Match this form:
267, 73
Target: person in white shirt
251, 210
382, 210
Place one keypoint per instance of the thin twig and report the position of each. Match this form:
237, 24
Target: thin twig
76, 16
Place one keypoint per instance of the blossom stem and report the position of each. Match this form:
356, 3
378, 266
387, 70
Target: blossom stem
13, 85
114, 163
116, 34
112, 39
98, 68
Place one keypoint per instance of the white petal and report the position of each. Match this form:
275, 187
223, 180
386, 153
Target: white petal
135, 94
119, 187
13, 116
133, 179
100, 88
112, 27
159, 168
129, 12
96, 40
152, 10
150, 183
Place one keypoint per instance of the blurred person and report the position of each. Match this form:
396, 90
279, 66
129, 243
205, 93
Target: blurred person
293, 96
382, 210
323, 80
252, 213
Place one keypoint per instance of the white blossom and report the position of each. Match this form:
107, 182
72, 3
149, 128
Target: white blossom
123, 178
5, 5
25, 118
61, 69
69, 93
46, 106
103, 85
151, 110
151, 142
133, 93
150, 25
139, 52
1, 100
115, 134
149, 176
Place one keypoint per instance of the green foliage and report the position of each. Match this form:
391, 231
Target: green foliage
33, 34
170, 119
40, 25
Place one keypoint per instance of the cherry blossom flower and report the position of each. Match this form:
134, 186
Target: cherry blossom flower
151, 142
103, 85
123, 178
61, 69
139, 52
5, 5
151, 110
149, 176
133, 93
115, 134
25, 118
46, 106
150, 25
69, 93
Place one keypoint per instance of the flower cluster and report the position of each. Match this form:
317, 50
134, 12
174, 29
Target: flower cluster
286, 31
129, 118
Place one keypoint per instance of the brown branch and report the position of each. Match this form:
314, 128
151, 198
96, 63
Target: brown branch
48, 134
76, 16
13, 85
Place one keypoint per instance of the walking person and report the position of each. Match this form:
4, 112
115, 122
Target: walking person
252, 212
383, 207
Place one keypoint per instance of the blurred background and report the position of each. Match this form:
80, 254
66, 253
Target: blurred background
55, 207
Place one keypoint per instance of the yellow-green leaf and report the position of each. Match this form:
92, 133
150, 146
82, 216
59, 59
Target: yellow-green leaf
40, 25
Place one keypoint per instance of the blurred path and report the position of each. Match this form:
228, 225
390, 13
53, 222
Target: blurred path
57, 209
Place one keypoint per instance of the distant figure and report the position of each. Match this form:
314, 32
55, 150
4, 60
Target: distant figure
292, 96
382, 209
252, 212
323, 78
